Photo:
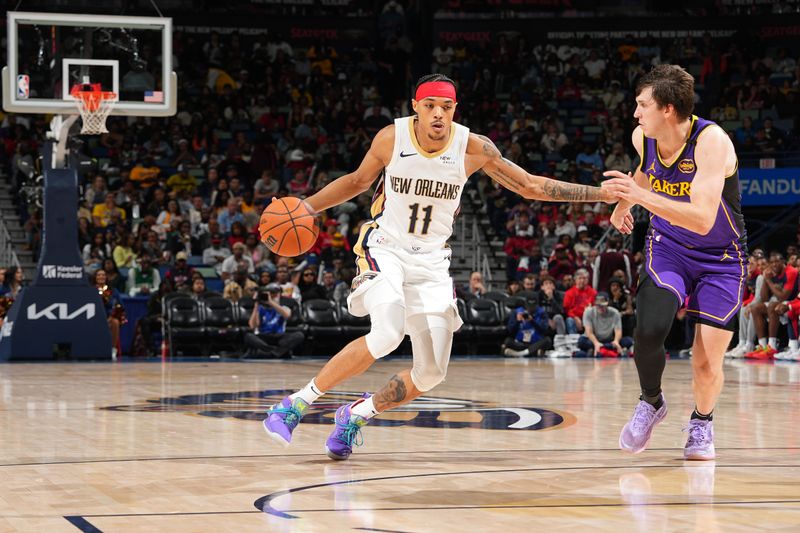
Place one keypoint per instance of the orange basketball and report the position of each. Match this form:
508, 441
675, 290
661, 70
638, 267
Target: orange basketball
287, 227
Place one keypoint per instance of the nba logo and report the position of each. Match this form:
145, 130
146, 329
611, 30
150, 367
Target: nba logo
23, 86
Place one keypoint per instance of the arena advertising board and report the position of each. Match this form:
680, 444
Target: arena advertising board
765, 187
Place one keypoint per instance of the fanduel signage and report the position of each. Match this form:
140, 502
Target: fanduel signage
61, 311
774, 186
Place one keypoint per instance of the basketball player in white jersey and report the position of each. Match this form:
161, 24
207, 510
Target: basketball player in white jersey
403, 281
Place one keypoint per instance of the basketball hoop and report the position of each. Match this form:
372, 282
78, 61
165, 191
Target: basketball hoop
94, 105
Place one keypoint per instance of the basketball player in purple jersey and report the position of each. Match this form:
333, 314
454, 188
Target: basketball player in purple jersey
695, 247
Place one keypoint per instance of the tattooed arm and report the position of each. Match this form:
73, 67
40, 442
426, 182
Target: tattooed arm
483, 154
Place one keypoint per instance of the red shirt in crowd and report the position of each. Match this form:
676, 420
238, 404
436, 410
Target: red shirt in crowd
577, 300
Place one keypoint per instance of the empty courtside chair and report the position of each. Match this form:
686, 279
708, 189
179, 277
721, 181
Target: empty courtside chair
352, 326
220, 321
484, 316
496, 296
244, 307
465, 333
320, 317
295, 322
184, 323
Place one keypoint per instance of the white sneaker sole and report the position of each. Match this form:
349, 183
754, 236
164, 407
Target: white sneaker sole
698, 457
334, 456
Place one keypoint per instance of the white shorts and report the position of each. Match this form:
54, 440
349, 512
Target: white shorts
420, 282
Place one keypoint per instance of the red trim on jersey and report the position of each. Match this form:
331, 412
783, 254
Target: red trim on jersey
442, 89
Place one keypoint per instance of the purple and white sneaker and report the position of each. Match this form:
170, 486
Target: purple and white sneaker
700, 444
635, 436
347, 432
283, 418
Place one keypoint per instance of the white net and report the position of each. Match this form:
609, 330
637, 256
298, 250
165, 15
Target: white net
94, 107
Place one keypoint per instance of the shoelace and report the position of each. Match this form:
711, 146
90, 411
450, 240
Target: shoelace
697, 434
352, 435
292, 415
642, 418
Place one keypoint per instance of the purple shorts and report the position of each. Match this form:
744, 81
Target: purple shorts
713, 280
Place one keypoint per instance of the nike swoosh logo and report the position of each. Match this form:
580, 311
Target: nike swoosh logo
406, 155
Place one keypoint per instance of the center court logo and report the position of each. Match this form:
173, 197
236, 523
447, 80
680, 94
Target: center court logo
425, 411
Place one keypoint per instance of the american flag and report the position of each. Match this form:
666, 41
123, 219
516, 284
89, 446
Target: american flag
154, 96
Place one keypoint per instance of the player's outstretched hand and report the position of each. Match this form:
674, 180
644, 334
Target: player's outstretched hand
607, 194
623, 186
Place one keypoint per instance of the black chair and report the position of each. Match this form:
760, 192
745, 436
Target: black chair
244, 308
496, 296
466, 331
220, 321
509, 305
320, 317
295, 322
484, 316
352, 326
168, 297
184, 322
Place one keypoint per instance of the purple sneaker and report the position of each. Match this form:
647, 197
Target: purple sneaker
347, 432
700, 444
636, 434
283, 418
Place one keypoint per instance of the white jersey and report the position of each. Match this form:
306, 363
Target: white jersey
416, 202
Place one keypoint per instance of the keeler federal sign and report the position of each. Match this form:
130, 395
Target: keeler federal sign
775, 186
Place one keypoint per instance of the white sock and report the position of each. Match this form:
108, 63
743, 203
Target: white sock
773, 343
749, 346
762, 341
365, 408
793, 345
309, 393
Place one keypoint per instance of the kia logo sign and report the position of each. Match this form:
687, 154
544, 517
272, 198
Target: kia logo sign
60, 311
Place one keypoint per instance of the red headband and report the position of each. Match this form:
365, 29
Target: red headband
441, 89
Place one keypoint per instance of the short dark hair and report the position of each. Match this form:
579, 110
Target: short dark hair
671, 85
432, 77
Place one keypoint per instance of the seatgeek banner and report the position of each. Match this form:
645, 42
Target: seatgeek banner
774, 186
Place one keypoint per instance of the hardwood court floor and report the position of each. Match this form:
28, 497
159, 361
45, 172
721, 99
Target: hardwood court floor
179, 447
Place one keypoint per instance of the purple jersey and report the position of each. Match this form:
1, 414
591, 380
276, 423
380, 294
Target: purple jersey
709, 269
728, 235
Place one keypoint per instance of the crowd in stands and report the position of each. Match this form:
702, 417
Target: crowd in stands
173, 204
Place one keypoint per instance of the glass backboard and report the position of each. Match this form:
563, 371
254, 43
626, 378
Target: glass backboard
49, 53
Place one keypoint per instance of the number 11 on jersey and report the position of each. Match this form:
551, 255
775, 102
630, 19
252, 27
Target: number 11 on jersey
426, 220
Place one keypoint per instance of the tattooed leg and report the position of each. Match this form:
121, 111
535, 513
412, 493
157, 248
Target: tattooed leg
400, 390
